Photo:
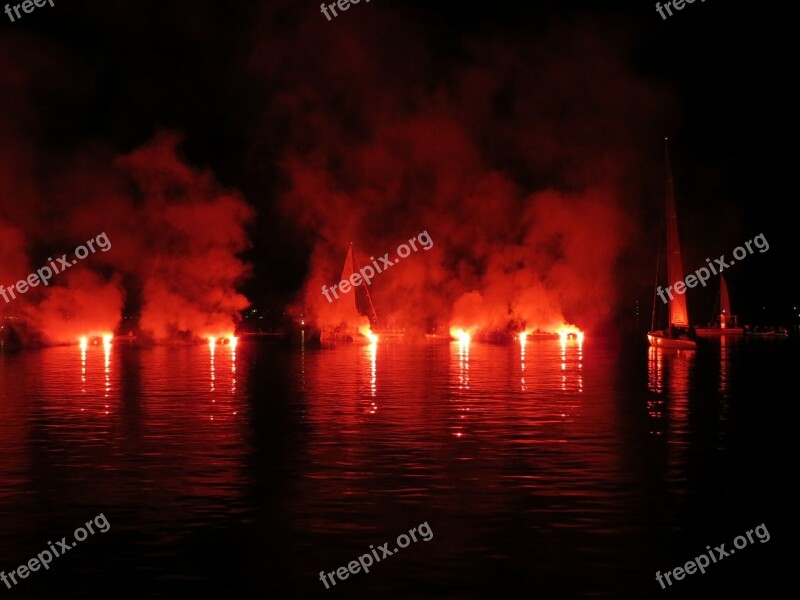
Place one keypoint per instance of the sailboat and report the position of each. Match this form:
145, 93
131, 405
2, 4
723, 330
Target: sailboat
728, 323
679, 333
356, 320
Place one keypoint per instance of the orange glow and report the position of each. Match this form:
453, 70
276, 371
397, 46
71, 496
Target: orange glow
523, 338
212, 343
366, 331
570, 332
461, 335
233, 341
95, 339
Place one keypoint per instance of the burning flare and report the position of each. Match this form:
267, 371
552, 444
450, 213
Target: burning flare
366, 331
461, 335
96, 339
567, 332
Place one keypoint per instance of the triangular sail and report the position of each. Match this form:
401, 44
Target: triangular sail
678, 312
724, 299
346, 307
357, 302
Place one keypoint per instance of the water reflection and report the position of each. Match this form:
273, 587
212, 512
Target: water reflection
107, 363
212, 347
668, 376
290, 444
372, 353
572, 371
724, 363
460, 352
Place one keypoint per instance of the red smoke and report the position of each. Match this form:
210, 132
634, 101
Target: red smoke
174, 231
522, 158
519, 158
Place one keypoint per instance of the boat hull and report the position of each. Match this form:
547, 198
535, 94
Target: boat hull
657, 339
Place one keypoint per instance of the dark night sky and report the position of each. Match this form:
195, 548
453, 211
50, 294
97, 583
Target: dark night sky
109, 75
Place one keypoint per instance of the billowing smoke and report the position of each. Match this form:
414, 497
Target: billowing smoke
519, 158
523, 158
184, 247
174, 232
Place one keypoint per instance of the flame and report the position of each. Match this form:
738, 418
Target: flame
566, 332
96, 339
461, 335
366, 331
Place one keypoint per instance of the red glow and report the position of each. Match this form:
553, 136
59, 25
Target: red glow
570, 332
366, 331
461, 335
94, 338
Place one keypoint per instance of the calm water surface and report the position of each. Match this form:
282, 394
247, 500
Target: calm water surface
549, 471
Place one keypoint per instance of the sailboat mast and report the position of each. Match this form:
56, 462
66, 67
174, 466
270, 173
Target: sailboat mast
655, 290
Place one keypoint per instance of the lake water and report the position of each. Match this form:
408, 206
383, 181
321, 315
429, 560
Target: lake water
549, 471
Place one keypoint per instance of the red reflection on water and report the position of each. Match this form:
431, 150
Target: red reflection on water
669, 373
575, 371
372, 350
461, 398
724, 360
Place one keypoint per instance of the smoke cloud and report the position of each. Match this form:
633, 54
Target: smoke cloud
175, 232
520, 158
523, 157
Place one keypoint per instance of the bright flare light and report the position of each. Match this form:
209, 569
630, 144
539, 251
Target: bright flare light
568, 332
107, 339
83, 342
212, 342
366, 331
462, 336
232, 340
